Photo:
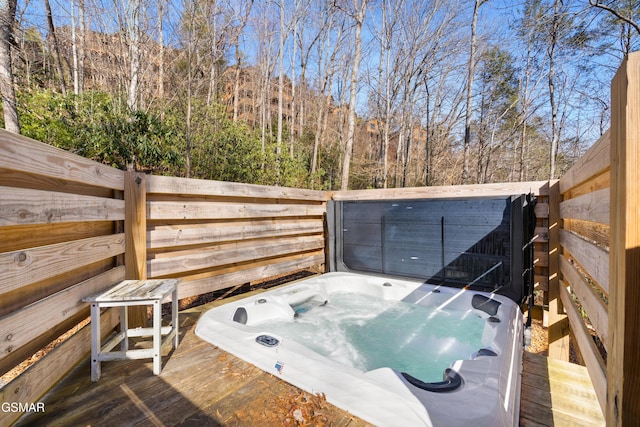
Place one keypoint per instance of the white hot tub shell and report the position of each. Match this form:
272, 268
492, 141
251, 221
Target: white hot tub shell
480, 390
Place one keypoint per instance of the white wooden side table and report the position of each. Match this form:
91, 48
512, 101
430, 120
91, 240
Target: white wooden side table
134, 293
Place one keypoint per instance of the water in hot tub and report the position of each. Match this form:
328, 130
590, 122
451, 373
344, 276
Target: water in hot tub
366, 333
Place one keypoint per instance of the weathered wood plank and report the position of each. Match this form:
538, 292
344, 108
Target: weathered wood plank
225, 254
248, 273
593, 361
592, 303
592, 207
135, 231
135, 290
541, 282
210, 211
26, 331
135, 226
53, 162
594, 162
20, 268
599, 233
540, 258
542, 210
570, 405
541, 235
39, 378
23, 206
473, 190
184, 235
29, 236
623, 355
557, 393
598, 182
593, 259
198, 187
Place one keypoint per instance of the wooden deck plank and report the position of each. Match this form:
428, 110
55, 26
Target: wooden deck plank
557, 393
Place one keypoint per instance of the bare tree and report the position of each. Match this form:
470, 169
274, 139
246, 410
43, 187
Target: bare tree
133, 30
470, 76
241, 17
623, 14
358, 15
551, 76
56, 48
327, 53
9, 104
74, 49
160, 30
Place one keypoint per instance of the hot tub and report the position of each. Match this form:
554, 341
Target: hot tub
392, 352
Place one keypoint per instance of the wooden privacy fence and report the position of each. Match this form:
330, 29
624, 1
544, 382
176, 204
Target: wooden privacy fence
70, 227
584, 258
61, 239
215, 234
599, 256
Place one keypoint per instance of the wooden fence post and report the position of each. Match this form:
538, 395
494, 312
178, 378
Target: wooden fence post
558, 322
623, 352
135, 226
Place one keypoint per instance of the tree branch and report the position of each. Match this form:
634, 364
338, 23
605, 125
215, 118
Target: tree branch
596, 3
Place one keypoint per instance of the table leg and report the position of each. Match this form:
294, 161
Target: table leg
157, 337
174, 317
124, 327
95, 341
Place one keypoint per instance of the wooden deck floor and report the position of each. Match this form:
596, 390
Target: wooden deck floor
201, 385
557, 394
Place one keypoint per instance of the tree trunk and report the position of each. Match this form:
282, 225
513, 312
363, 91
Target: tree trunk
81, 46
9, 105
133, 33
161, 57
74, 49
351, 131
551, 79
467, 120
56, 48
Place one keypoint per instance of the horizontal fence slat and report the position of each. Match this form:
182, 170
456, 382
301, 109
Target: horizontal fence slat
249, 274
541, 282
539, 188
592, 207
20, 268
593, 361
593, 304
231, 253
593, 259
26, 155
198, 187
29, 236
540, 258
599, 233
52, 368
542, 210
594, 162
541, 235
27, 325
23, 206
211, 211
172, 236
